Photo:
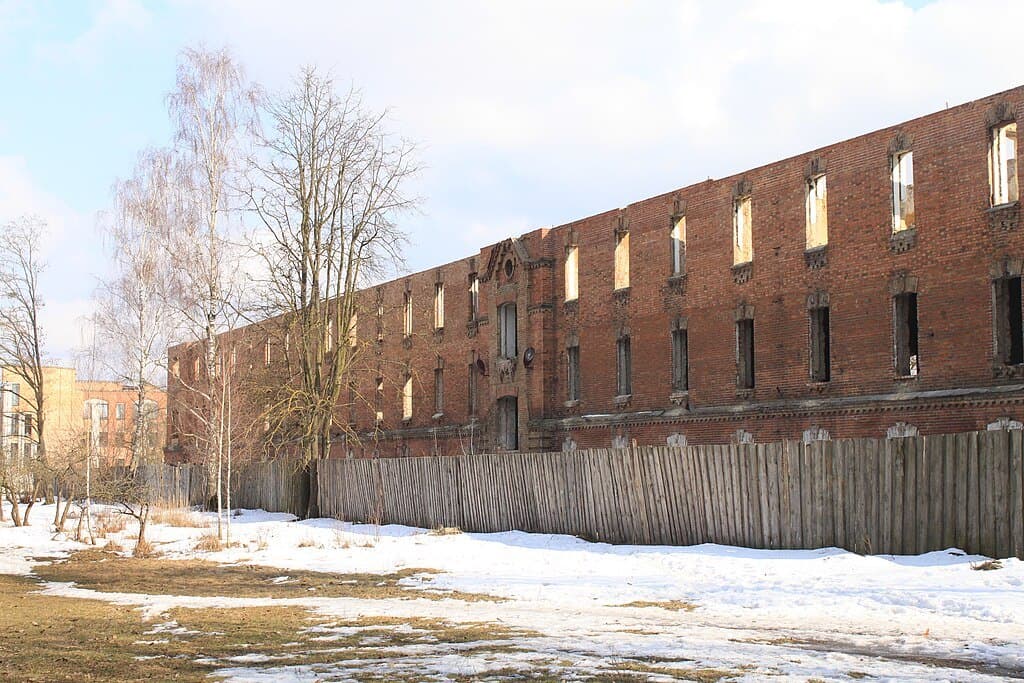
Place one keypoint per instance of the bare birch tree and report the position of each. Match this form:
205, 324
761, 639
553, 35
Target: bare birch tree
21, 351
329, 185
212, 108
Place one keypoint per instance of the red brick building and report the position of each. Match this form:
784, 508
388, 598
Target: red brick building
867, 288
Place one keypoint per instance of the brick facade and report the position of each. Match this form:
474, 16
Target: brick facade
959, 243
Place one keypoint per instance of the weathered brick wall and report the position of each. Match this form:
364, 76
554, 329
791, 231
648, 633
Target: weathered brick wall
954, 249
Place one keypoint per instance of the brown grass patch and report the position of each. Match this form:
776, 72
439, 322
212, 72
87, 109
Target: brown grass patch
144, 549
208, 543
107, 522
673, 605
445, 531
108, 572
987, 566
179, 517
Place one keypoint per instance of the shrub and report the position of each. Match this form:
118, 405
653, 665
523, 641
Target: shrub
208, 543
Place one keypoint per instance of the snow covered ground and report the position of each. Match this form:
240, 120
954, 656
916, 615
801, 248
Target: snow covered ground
784, 615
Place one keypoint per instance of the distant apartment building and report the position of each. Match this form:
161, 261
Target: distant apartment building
78, 414
870, 288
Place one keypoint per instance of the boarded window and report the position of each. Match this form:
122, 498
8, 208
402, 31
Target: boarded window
624, 367
745, 353
677, 245
572, 273
474, 296
407, 312
902, 191
680, 361
820, 344
621, 259
572, 357
507, 343
742, 251
407, 398
905, 334
439, 306
508, 423
816, 205
1008, 327
1003, 164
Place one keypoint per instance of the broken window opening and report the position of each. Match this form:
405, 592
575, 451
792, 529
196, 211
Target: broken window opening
903, 191
353, 330
1002, 164
378, 401
623, 367
742, 251
407, 398
817, 212
820, 344
266, 355
677, 245
572, 354
622, 259
407, 307
572, 273
471, 393
745, 353
906, 334
438, 390
507, 324
474, 297
1008, 321
439, 306
680, 361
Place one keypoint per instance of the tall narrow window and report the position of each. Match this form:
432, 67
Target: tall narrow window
407, 398
507, 331
474, 297
572, 272
378, 401
353, 393
572, 358
677, 245
745, 353
820, 344
1002, 164
905, 333
380, 316
1008, 325
439, 389
266, 355
817, 212
902, 191
621, 258
407, 313
353, 330
329, 343
508, 423
742, 248
680, 361
439, 306
471, 389
623, 367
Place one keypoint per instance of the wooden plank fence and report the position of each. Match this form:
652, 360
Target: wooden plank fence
884, 496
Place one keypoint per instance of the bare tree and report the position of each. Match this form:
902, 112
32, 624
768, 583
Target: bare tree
21, 350
212, 108
329, 185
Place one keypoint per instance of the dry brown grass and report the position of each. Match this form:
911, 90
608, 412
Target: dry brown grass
209, 543
445, 531
144, 549
673, 605
179, 517
987, 566
105, 571
107, 522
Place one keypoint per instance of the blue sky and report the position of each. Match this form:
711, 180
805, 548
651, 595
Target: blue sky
527, 114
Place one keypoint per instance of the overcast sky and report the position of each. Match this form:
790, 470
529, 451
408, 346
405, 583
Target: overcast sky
527, 114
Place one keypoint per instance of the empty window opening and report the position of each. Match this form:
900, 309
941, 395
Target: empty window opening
677, 245
378, 401
474, 297
329, 342
1002, 164
1008, 323
902, 191
621, 259
905, 332
680, 361
471, 392
407, 308
820, 345
624, 367
438, 390
353, 330
745, 353
407, 398
439, 306
572, 357
507, 342
572, 273
817, 212
508, 423
742, 251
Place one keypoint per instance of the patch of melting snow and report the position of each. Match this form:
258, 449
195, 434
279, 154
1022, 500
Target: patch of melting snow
281, 579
